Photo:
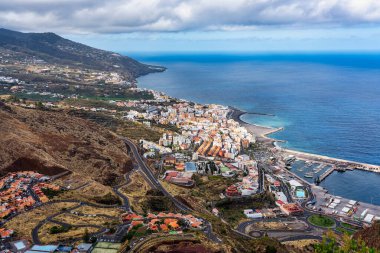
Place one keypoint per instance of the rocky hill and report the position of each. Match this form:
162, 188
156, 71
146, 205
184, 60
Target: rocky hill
54, 49
370, 235
52, 142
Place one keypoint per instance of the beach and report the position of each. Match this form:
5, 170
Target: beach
262, 132
293, 107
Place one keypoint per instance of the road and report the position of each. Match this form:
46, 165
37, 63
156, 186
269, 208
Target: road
152, 179
121, 229
309, 232
148, 175
157, 185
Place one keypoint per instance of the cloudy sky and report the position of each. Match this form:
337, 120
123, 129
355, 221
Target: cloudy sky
203, 25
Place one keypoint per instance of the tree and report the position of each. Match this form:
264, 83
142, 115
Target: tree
39, 105
330, 244
86, 236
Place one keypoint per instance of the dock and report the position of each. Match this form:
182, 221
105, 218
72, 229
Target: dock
326, 174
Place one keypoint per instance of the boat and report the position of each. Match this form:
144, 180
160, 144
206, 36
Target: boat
340, 169
309, 175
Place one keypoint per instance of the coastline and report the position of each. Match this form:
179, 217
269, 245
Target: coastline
262, 133
259, 131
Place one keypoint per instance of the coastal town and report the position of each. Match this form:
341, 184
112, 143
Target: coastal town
168, 171
206, 141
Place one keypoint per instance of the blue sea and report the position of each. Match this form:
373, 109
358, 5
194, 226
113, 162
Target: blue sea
328, 103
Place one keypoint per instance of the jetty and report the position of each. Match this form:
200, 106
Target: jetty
326, 174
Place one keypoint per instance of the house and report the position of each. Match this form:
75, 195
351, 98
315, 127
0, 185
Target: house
291, 209
136, 223
215, 211
151, 216
164, 228
19, 246
153, 225
249, 213
5, 233
131, 217
232, 191
42, 248
84, 248
169, 160
171, 223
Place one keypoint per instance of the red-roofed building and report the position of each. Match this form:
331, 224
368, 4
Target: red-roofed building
291, 209
131, 216
232, 191
151, 216
136, 223
164, 228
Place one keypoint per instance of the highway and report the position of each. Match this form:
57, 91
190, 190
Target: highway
151, 178
157, 185
148, 175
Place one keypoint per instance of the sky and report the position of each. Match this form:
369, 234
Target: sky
203, 25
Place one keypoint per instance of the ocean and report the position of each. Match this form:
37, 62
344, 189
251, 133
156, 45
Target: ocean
328, 103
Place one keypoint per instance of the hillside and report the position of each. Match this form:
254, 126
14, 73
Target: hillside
370, 235
52, 142
54, 49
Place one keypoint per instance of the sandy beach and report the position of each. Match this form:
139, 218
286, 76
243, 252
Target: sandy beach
262, 133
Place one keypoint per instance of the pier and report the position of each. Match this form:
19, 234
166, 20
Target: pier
326, 174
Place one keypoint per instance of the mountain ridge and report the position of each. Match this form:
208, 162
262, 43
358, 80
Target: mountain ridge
55, 49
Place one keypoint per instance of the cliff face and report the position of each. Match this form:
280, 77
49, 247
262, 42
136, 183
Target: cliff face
52, 142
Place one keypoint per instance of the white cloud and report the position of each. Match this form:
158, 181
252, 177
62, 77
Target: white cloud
119, 16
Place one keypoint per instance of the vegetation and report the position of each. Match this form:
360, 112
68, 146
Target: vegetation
59, 229
321, 221
127, 94
136, 191
26, 221
232, 209
91, 103
86, 236
155, 201
168, 127
108, 199
129, 129
50, 193
349, 226
136, 231
56, 50
210, 187
345, 231
138, 131
330, 244
370, 235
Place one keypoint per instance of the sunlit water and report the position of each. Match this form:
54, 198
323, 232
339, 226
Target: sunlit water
329, 104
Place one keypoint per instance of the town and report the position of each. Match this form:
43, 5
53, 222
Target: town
199, 141
165, 171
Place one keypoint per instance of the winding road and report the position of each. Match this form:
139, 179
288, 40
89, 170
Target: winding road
149, 177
